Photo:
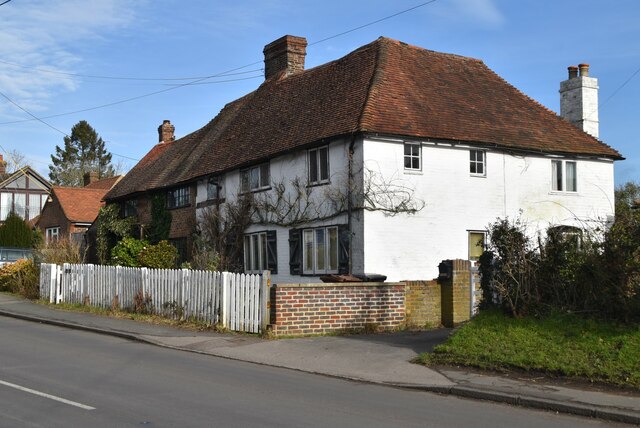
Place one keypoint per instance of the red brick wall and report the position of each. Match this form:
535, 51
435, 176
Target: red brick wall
323, 308
53, 216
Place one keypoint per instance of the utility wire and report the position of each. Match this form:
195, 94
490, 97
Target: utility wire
48, 124
91, 76
372, 23
198, 80
5, 2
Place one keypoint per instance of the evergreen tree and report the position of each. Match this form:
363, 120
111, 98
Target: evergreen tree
83, 152
15, 232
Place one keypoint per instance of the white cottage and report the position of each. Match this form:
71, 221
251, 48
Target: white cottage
387, 160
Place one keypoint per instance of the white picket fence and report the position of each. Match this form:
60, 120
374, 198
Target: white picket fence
235, 301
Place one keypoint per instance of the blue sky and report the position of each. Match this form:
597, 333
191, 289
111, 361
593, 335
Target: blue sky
529, 43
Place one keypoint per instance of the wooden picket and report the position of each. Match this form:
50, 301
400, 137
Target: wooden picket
232, 300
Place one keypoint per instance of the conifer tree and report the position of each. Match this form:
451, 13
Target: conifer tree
84, 151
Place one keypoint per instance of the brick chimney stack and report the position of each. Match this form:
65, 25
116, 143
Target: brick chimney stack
284, 55
579, 99
89, 177
166, 132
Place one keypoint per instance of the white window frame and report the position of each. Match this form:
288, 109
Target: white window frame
314, 160
476, 163
52, 233
255, 252
560, 178
310, 236
256, 178
412, 156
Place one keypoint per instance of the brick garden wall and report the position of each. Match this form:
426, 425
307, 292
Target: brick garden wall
298, 309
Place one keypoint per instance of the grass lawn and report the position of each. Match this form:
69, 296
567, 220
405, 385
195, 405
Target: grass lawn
565, 345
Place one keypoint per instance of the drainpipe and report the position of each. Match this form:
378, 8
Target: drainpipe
349, 199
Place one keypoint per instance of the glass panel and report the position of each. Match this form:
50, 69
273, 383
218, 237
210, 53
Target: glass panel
476, 245
255, 252
320, 250
415, 150
556, 175
572, 185
313, 166
20, 203
324, 163
407, 149
5, 205
263, 252
254, 178
308, 251
415, 163
244, 180
212, 188
247, 253
34, 206
333, 249
407, 162
265, 176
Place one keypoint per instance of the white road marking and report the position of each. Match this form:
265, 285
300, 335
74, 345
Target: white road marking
45, 395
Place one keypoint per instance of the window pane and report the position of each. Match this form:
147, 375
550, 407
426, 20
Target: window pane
480, 168
407, 162
572, 185
244, 180
476, 245
333, 249
308, 251
313, 166
247, 253
19, 204
320, 250
324, 163
265, 179
415, 163
254, 178
255, 252
212, 188
5, 208
34, 206
407, 150
263, 252
556, 175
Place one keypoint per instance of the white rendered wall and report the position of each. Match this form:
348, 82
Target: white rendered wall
411, 246
284, 169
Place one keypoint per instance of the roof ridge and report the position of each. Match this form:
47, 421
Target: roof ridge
376, 77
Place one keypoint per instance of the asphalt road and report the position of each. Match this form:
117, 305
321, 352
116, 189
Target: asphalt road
56, 377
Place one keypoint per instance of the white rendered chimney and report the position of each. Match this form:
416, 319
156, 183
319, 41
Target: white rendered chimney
579, 100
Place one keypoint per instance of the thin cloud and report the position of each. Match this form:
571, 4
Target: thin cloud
480, 12
43, 34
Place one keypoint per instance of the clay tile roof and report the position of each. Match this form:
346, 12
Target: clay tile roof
385, 87
79, 203
105, 183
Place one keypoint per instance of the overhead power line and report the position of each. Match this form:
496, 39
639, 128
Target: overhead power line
5, 2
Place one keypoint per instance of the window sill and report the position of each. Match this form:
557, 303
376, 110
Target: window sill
261, 189
413, 171
478, 175
563, 193
319, 183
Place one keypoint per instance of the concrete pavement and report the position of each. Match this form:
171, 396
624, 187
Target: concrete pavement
376, 358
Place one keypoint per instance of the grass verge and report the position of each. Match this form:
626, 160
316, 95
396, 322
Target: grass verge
558, 345
189, 324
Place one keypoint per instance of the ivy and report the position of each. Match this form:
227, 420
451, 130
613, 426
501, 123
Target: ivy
111, 228
160, 219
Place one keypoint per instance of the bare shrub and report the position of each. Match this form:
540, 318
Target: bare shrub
61, 251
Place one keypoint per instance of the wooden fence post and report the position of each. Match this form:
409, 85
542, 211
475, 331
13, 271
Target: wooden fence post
265, 294
224, 299
53, 282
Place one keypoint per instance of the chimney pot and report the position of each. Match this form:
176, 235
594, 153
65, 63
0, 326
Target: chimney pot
584, 70
166, 132
573, 71
286, 54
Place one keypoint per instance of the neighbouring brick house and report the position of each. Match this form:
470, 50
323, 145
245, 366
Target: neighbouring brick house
70, 211
23, 192
387, 160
